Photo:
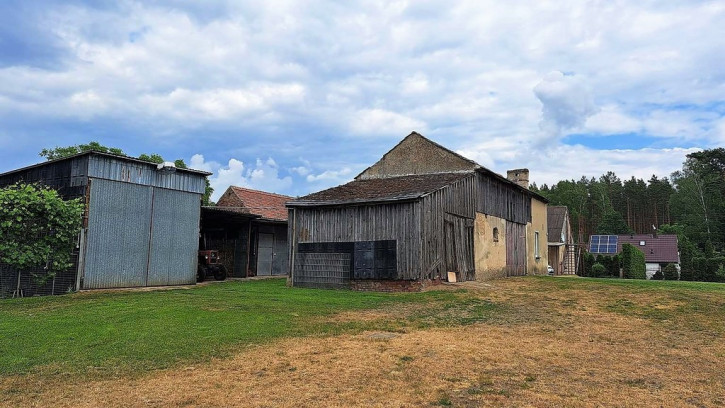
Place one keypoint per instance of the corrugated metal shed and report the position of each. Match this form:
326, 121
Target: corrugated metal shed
142, 223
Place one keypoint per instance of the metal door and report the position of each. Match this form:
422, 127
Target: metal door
119, 225
174, 238
265, 254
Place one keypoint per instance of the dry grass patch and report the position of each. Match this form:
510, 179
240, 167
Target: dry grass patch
542, 344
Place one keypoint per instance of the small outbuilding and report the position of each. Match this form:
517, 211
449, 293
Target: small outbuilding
421, 214
249, 227
562, 250
140, 225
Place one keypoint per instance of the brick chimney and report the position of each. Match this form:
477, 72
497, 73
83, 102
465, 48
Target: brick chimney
519, 176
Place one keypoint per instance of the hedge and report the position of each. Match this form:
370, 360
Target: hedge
670, 272
598, 270
706, 269
633, 264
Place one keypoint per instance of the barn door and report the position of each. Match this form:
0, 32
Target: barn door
459, 246
265, 254
515, 249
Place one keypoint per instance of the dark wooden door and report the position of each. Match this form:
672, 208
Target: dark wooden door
458, 236
515, 249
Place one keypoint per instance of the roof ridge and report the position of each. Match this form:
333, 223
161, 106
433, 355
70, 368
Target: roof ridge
260, 191
414, 133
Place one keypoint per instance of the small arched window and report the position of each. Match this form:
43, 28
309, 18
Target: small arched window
495, 234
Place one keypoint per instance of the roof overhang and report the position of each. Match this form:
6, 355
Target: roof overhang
220, 214
332, 203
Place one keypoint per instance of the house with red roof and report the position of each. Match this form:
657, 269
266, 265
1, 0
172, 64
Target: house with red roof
249, 228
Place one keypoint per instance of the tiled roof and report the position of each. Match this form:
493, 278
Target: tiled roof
382, 189
662, 249
269, 206
555, 216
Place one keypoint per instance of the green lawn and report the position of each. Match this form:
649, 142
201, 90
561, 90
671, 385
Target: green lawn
106, 334
111, 333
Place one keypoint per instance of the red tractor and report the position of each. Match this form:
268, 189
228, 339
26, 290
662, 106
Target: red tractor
209, 264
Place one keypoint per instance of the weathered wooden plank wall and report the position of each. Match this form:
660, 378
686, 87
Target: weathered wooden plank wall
502, 200
399, 221
457, 199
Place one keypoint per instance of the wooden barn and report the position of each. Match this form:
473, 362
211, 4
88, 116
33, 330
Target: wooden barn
421, 214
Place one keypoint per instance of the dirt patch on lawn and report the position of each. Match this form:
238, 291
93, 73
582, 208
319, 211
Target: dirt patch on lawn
583, 349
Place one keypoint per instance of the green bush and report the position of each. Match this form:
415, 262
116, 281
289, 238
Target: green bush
37, 228
687, 273
658, 276
706, 269
588, 261
720, 273
670, 272
598, 270
633, 264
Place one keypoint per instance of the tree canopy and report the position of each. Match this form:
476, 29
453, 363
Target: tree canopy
690, 203
63, 152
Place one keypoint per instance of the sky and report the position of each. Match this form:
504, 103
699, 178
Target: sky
296, 96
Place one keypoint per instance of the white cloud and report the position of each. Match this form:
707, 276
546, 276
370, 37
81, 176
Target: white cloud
289, 79
383, 122
571, 162
331, 175
567, 102
264, 175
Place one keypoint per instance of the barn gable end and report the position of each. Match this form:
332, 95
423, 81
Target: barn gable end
417, 155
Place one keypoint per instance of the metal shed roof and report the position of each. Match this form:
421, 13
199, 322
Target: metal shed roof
89, 153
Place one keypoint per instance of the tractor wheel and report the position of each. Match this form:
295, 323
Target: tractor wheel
220, 273
201, 273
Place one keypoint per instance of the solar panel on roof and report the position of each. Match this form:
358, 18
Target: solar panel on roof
603, 244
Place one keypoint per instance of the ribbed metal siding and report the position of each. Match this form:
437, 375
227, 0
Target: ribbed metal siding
174, 238
146, 174
118, 235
